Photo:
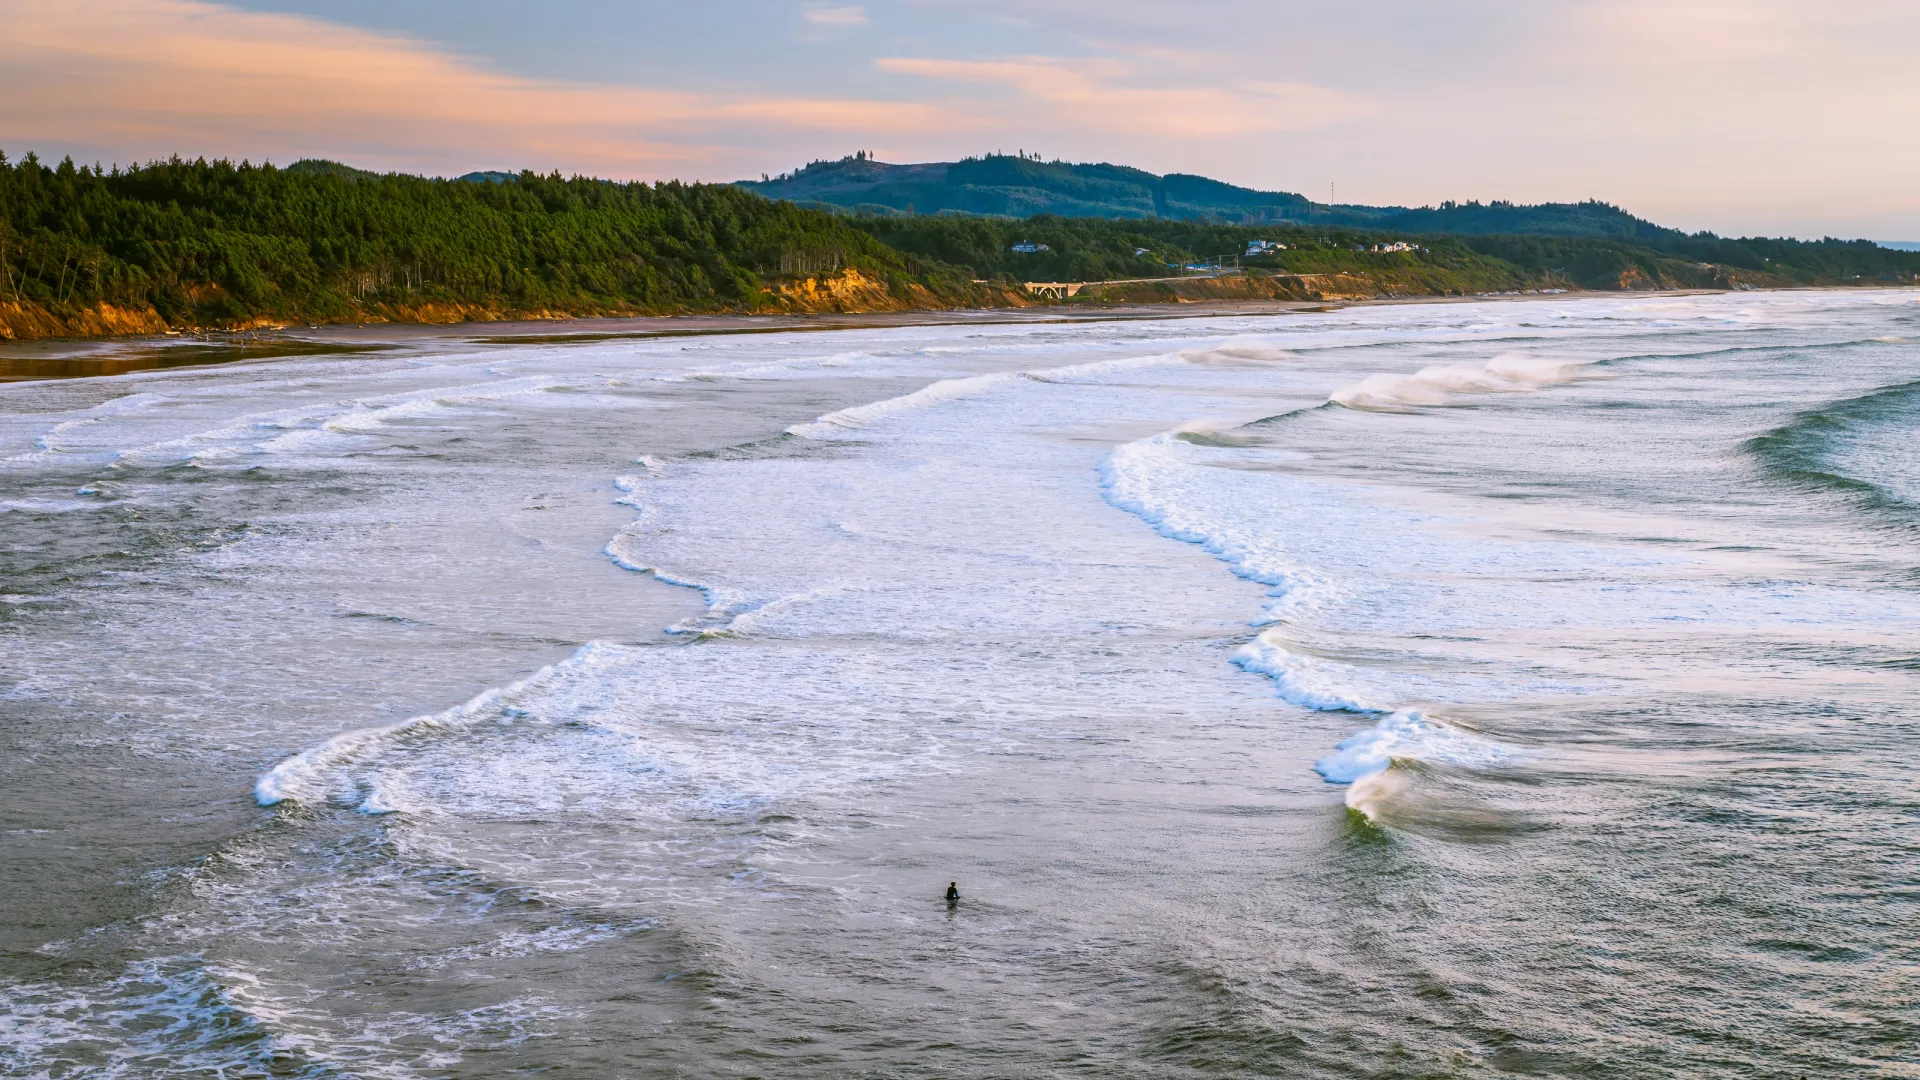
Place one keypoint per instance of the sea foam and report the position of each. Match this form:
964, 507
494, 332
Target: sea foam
1439, 383
1146, 478
306, 776
1406, 733
951, 390
1155, 480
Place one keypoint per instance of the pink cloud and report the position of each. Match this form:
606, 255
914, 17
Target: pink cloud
1106, 92
159, 76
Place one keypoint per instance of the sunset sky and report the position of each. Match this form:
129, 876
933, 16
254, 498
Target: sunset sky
1741, 116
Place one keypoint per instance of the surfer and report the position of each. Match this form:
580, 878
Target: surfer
953, 893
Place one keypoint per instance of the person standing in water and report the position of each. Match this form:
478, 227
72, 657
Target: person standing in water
953, 893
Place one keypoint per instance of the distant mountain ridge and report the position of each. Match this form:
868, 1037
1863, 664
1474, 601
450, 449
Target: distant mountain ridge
1015, 186
1010, 186
325, 167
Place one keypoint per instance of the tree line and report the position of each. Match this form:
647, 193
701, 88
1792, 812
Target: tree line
1092, 249
209, 243
212, 242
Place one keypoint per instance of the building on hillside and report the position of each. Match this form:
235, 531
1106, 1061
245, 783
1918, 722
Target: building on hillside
1028, 247
1261, 247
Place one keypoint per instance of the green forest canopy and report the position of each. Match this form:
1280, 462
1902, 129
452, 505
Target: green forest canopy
1017, 185
215, 243
206, 242
1092, 249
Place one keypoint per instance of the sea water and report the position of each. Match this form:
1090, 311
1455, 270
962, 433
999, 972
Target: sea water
1492, 688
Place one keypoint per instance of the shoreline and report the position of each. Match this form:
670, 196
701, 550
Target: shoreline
96, 357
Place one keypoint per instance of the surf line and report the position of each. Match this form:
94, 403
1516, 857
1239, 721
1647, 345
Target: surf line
1142, 479
300, 779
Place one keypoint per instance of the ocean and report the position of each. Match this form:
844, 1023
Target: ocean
1505, 688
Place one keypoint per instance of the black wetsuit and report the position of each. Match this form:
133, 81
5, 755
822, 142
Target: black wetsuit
953, 893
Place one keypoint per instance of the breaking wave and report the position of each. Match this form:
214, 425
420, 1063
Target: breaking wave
1152, 480
180, 1016
1144, 479
1440, 383
948, 390
305, 777
1406, 733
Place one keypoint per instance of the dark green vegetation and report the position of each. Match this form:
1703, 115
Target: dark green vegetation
1753, 261
1092, 249
1097, 249
1022, 187
1616, 242
213, 243
195, 244
1012, 186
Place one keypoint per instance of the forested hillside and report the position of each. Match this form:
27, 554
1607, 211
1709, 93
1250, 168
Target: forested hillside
1016, 186
213, 243
1092, 249
1012, 186
199, 244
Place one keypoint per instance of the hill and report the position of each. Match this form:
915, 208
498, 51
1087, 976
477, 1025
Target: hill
197, 243
1051, 248
1015, 186
323, 167
178, 244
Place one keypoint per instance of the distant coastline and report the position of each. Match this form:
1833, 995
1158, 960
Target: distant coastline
1097, 301
200, 246
74, 357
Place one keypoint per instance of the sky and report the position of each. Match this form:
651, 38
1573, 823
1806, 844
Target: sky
1775, 117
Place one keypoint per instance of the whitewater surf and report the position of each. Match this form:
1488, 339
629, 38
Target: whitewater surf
1517, 687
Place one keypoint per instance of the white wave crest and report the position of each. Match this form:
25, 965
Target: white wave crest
181, 1017
630, 484
1144, 479
1435, 385
723, 604
1409, 735
47, 506
323, 428
947, 390
164, 1017
1306, 681
1153, 480
863, 415
54, 441
304, 777
1240, 349
1372, 793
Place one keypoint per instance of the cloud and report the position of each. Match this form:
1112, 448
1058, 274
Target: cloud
1736, 115
158, 76
1110, 92
824, 15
